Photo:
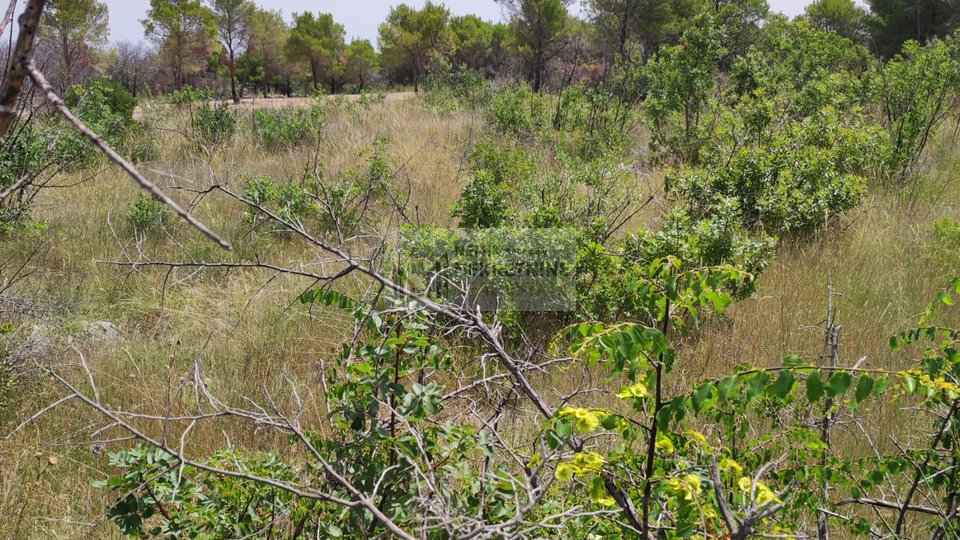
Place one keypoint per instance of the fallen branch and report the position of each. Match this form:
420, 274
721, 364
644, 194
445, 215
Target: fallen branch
54, 100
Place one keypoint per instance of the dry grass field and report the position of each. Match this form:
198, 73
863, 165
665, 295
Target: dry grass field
884, 261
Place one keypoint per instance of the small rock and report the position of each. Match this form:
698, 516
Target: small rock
102, 332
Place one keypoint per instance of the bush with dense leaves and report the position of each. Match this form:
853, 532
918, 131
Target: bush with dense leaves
213, 125
23, 154
287, 127
148, 214
805, 174
188, 95
917, 92
517, 111
106, 107
449, 88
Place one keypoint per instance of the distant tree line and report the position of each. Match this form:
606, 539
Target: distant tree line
239, 49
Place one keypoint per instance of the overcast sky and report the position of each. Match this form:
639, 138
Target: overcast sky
360, 17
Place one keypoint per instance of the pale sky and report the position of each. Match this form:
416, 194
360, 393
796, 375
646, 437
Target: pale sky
361, 18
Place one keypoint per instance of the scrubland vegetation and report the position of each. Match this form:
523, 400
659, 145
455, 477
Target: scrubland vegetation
758, 234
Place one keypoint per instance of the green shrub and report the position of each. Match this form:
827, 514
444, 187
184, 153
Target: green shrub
611, 276
188, 95
288, 127
147, 213
343, 201
23, 153
450, 88
917, 92
289, 202
807, 174
518, 111
213, 126
484, 202
105, 107
506, 162
104, 97
681, 81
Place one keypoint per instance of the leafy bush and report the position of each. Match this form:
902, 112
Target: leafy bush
344, 201
611, 275
188, 95
104, 106
807, 174
681, 81
287, 127
213, 126
483, 203
804, 70
23, 153
449, 88
190, 503
592, 122
102, 97
289, 202
147, 213
917, 92
518, 111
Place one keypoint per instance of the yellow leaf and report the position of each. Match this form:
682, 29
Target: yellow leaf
565, 472
727, 464
664, 444
765, 494
638, 390
694, 482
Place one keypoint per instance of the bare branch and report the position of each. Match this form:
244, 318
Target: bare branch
8, 16
94, 139
29, 23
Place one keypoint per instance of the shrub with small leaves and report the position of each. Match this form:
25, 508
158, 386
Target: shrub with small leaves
188, 95
483, 202
288, 127
213, 125
518, 111
106, 107
147, 213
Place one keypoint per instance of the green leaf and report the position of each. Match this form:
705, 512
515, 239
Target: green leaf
839, 383
702, 395
864, 388
726, 386
881, 385
598, 491
814, 387
793, 361
782, 386
911, 384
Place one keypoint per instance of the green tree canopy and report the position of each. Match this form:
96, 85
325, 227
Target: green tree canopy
234, 20
538, 30
264, 60
74, 27
319, 41
841, 16
184, 30
361, 61
478, 42
410, 37
896, 21
644, 23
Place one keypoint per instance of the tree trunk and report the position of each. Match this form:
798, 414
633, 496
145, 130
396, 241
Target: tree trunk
233, 79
